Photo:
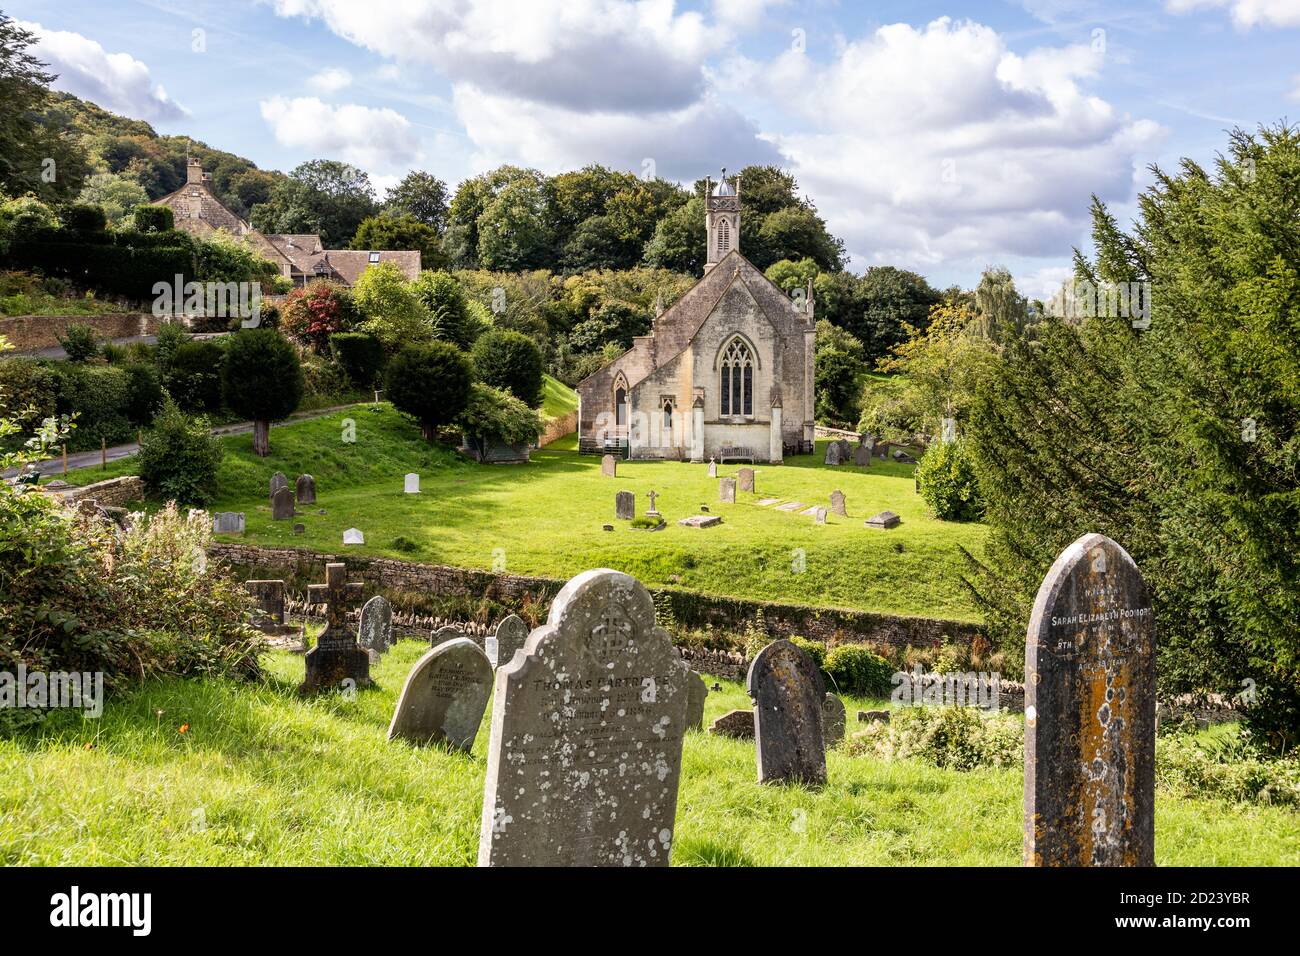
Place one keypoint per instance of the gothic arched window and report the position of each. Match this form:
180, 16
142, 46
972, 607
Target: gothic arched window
737, 385
620, 407
724, 237
668, 416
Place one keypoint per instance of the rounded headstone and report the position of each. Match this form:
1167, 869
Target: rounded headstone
444, 696
788, 694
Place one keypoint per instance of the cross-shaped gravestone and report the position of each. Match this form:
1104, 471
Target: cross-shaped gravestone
652, 495
336, 658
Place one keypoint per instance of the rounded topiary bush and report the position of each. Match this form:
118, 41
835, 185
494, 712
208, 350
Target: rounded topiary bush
510, 361
431, 382
194, 376
179, 458
153, 218
948, 483
144, 392
360, 355
262, 380
857, 669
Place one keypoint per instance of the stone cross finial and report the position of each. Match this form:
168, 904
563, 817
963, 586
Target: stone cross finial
336, 594
652, 496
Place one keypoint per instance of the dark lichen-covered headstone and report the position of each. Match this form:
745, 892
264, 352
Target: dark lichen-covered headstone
305, 490
696, 692
511, 634
268, 604
587, 724
444, 696
833, 719
337, 661
376, 630
1090, 682
788, 694
737, 724
282, 505
278, 481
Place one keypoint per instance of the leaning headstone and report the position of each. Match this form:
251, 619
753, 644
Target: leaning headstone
713, 468
353, 536
727, 490
837, 503
737, 724
1090, 681
511, 634
609, 466
587, 725
746, 476
228, 522
305, 490
696, 692
278, 481
820, 515
444, 696
833, 719
376, 630
788, 692
412, 484
337, 661
625, 505
282, 505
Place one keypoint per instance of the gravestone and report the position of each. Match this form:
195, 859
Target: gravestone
376, 630
837, 503
353, 536
1090, 681
700, 521
788, 693
820, 515
653, 512
337, 661
746, 476
790, 506
625, 505
444, 696
737, 724
282, 504
886, 519
609, 466
411, 485
278, 481
586, 748
444, 634
228, 522
696, 692
305, 490
833, 720
833, 455
268, 604
727, 490
713, 468
300, 529
862, 456
511, 635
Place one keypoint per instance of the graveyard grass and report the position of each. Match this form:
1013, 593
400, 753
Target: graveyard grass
545, 518
261, 777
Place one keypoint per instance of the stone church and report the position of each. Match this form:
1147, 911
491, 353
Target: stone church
725, 373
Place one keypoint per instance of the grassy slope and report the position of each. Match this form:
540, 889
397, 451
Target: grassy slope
261, 777
557, 398
547, 516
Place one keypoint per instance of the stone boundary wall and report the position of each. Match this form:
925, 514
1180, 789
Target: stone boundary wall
30, 333
113, 493
690, 610
558, 427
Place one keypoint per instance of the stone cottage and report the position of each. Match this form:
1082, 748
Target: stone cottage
299, 257
726, 372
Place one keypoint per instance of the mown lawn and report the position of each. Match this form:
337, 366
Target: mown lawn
546, 517
261, 777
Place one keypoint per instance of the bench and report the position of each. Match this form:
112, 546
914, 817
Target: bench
729, 453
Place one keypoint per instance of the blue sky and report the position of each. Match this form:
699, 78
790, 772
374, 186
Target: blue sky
942, 137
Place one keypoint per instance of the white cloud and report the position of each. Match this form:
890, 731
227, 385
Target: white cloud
330, 80
939, 146
1246, 13
116, 81
358, 134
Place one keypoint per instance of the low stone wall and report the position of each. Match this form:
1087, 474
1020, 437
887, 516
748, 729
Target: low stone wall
113, 493
690, 610
30, 333
558, 428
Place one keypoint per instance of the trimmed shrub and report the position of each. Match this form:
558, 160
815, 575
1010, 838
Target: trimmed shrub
79, 341
179, 458
946, 475
511, 361
360, 355
814, 649
194, 376
83, 218
144, 392
431, 383
261, 380
857, 669
99, 395
154, 219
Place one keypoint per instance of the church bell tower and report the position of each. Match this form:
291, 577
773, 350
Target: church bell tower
722, 218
